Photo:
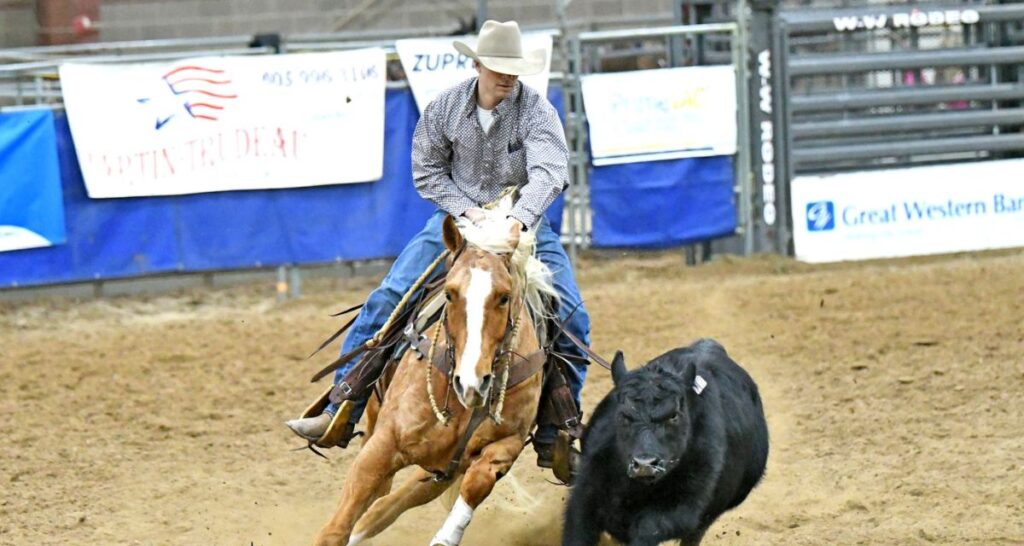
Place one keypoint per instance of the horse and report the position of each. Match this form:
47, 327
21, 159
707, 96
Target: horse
493, 310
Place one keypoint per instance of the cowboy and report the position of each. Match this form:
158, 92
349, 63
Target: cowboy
473, 142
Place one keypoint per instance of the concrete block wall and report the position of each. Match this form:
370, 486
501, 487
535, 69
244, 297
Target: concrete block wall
154, 19
18, 25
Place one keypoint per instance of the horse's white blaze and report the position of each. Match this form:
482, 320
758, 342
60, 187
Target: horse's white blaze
451, 532
476, 296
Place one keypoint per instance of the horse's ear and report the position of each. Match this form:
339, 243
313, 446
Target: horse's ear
618, 368
451, 235
513, 236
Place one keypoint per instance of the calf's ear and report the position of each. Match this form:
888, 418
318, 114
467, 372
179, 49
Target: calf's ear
689, 376
618, 368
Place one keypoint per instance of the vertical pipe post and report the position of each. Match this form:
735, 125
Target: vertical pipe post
744, 177
282, 283
294, 283
573, 198
676, 41
481, 13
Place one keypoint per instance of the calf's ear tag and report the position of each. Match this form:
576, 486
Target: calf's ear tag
698, 384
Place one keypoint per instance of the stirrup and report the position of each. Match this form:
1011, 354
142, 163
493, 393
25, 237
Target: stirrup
334, 435
563, 465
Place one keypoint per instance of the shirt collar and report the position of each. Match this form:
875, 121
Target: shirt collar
501, 109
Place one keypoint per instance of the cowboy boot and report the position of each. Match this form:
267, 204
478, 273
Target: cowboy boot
322, 428
310, 428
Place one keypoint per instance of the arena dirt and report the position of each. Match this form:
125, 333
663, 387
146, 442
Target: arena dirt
894, 393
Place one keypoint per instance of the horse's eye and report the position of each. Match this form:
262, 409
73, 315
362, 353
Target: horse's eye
448, 296
674, 418
503, 299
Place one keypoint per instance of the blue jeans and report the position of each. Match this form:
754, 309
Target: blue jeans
427, 246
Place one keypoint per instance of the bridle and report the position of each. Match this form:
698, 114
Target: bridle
502, 355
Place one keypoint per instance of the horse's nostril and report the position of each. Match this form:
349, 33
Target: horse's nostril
485, 383
458, 384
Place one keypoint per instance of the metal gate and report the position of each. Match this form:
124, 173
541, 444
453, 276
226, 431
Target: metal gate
878, 87
699, 41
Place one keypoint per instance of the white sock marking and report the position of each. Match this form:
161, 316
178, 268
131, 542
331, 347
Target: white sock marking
355, 539
476, 296
450, 533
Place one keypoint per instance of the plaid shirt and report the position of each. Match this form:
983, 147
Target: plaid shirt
457, 166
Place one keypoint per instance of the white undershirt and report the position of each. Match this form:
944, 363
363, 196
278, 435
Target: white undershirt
486, 118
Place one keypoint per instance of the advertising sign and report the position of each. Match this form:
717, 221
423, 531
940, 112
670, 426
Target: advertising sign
647, 115
227, 123
909, 212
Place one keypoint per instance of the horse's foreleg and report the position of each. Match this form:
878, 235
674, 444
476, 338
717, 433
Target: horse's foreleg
373, 467
414, 492
494, 462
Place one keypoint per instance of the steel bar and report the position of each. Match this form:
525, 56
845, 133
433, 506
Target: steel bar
142, 57
903, 123
847, 100
133, 45
827, 63
826, 154
627, 34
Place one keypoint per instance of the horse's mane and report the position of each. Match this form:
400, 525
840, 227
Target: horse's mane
530, 273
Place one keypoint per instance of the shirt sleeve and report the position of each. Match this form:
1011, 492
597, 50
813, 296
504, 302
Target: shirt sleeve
432, 163
547, 164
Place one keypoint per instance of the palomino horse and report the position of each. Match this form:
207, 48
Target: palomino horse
485, 329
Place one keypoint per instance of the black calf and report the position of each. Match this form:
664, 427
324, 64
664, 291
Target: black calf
674, 445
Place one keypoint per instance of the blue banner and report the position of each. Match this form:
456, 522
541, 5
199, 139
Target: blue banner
660, 204
31, 205
656, 204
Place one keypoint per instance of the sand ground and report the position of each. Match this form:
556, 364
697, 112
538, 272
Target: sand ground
894, 393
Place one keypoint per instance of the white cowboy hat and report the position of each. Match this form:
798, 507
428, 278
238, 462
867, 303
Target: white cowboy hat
500, 48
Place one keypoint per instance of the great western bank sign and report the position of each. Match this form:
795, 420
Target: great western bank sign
227, 123
909, 212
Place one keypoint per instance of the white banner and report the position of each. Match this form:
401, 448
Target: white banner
909, 212
227, 123
647, 115
432, 64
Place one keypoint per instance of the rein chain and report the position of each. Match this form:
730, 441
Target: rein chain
442, 416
